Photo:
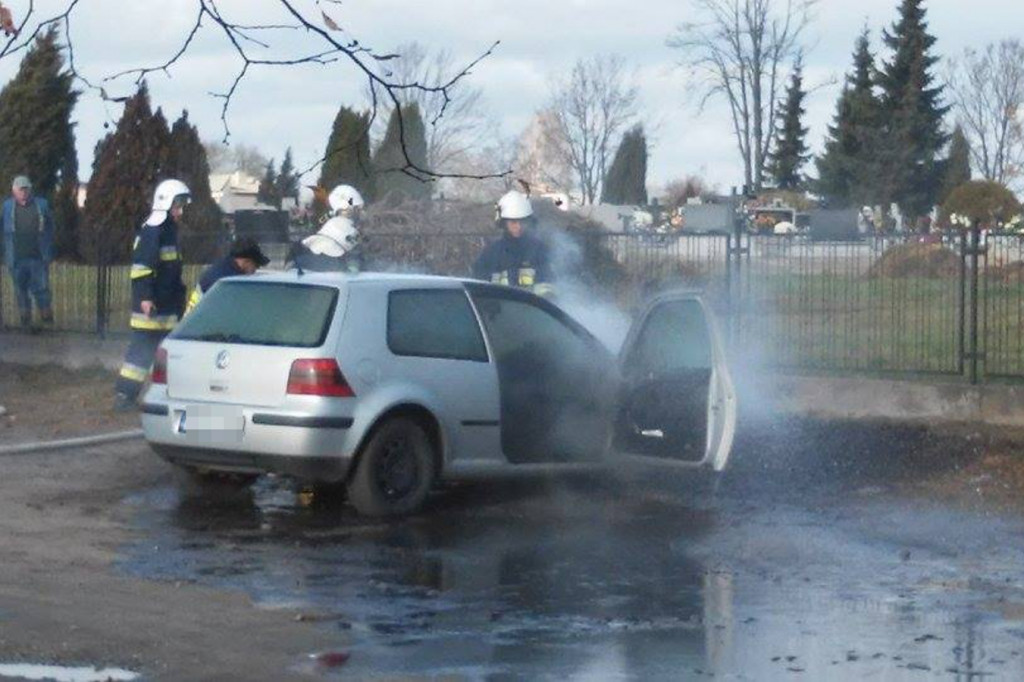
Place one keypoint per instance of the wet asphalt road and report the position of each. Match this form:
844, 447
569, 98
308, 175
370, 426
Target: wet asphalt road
807, 561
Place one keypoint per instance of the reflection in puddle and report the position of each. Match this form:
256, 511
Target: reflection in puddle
592, 582
57, 673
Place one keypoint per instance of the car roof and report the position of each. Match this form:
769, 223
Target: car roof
339, 279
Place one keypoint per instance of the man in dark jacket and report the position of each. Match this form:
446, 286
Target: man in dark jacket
158, 293
244, 258
518, 259
28, 249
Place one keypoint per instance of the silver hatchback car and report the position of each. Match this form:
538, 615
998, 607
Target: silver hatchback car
381, 381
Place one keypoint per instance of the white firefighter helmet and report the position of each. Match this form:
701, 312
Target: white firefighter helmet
337, 237
344, 198
514, 206
165, 194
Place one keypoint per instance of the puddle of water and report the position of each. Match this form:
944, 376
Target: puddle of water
59, 673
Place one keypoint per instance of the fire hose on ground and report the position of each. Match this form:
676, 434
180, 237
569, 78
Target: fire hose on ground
85, 441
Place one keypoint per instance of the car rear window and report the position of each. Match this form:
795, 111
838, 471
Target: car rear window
262, 314
434, 323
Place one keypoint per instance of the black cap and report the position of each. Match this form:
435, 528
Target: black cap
246, 247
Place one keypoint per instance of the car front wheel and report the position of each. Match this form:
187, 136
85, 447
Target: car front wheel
395, 470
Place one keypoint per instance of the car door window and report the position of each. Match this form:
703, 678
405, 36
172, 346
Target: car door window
674, 339
434, 323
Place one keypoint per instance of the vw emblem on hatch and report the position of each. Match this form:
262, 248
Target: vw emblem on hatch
223, 359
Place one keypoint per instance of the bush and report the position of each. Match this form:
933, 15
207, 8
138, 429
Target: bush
931, 261
990, 204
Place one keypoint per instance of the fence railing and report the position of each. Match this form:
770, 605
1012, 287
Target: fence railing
883, 304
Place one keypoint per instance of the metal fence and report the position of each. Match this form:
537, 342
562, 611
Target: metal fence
883, 304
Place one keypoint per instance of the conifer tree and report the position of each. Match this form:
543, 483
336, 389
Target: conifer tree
267, 191
848, 168
66, 216
347, 157
626, 181
911, 113
36, 133
790, 152
956, 166
395, 181
127, 166
286, 184
200, 234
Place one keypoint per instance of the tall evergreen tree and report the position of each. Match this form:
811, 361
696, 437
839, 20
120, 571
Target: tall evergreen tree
848, 168
66, 216
790, 152
266, 193
186, 160
911, 113
956, 167
626, 181
287, 182
347, 157
127, 166
396, 181
37, 136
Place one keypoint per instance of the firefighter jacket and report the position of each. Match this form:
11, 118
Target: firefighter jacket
225, 267
519, 262
156, 277
300, 257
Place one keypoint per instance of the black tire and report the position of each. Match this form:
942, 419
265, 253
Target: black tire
395, 470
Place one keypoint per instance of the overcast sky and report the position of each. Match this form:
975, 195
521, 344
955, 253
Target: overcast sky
277, 107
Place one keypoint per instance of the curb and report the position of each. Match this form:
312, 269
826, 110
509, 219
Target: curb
102, 439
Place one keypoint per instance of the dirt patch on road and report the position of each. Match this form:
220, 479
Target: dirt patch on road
44, 402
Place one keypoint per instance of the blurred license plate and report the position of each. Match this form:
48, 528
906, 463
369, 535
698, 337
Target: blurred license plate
212, 420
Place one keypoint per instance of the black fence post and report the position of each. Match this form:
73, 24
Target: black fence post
962, 312
975, 252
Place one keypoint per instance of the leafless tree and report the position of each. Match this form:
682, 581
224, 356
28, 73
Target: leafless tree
455, 125
277, 33
740, 50
987, 90
541, 159
228, 158
591, 107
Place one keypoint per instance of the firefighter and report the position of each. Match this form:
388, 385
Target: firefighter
518, 258
347, 202
158, 293
244, 258
334, 248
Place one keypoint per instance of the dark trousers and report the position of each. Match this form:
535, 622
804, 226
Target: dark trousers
31, 276
137, 361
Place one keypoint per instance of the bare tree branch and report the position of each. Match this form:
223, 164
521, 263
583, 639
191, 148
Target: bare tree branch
739, 52
987, 90
322, 43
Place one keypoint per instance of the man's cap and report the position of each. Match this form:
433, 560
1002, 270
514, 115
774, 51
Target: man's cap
20, 182
246, 247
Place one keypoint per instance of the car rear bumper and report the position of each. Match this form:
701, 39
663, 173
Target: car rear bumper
329, 469
308, 446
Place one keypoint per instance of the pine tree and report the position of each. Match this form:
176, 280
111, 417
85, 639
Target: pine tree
397, 182
286, 185
956, 167
626, 181
127, 166
66, 216
911, 114
790, 153
848, 168
201, 229
347, 157
267, 191
37, 136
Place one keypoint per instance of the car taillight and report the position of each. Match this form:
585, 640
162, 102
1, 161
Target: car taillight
159, 373
318, 377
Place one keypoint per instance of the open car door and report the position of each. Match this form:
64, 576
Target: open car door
677, 403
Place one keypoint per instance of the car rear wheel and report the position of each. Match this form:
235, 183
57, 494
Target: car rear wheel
395, 470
